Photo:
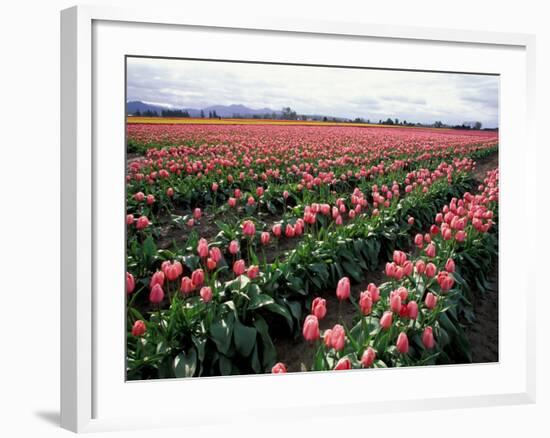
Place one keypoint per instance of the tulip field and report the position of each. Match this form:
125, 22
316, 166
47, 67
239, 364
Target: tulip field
272, 247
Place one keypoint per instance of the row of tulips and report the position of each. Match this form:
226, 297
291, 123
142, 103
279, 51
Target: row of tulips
412, 318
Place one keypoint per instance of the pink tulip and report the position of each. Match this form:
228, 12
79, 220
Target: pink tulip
142, 222
169, 192
410, 220
130, 283
279, 368
445, 280
419, 240
365, 302
374, 292
232, 202
239, 267
215, 254
420, 266
412, 309
343, 289
129, 219
157, 278
215, 187
206, 294
399, 257
234, 247
289, 231
187, 285
197, 277
319, 308
395, 302
430, 250
139, 328
450, 265
430, 301
338, 337
211, 264
277, 229
343, 364
402, 343
430, 270
386, 320
139, 197
259, 191
391, 268
428, 338
202, 248
310, 329
265, 237
460, 236
157, 294
368, 357
249, 229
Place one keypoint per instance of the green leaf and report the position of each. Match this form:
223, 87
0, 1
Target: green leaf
225, 365
269, 353
245, 338
185, 364
260, 301
222, 331
277, 308
149, 247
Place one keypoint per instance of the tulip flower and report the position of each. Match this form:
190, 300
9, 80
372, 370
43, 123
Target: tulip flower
139, 196
249, 229
386, 320
234, 247
430, 301
365, 302
139, 328
150, 199
402, 343
412, 309
420, 266
130, 283
187, 285
445, 280
252, 272
239, 267
319, 308
343, 364
129, 219
430, 250
428, 338
278, 368
202, 248
142, 223
374, 292
157, 278
232, 202
338, 337
215, 254
399, 257
450, 265
277, 230
368, 357
157, 294
310, 330
430, 270
265, 237
206, 294
343, 289
419, 240
395, 302
197, 277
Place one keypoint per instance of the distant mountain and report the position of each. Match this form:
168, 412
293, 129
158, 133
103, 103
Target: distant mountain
221, 110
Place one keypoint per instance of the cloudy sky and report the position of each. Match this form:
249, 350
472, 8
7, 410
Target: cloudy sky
370, 94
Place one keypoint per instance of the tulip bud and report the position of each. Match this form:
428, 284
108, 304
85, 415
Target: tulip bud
278, 368
130, 283
319, 307
239, 267
386, 320
157, 294
450, 265
338, 337
430, 270
206, 294
187, 285
234, 247
310, 329
412, 309
428, 338
430, 301
265, 237
343, 364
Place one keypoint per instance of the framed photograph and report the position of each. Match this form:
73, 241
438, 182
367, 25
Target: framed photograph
317, 218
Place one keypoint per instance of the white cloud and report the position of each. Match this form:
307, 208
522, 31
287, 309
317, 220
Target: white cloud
345, 92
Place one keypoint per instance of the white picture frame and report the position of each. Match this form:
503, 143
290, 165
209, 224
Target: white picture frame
89, 399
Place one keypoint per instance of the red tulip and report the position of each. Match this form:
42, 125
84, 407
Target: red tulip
139, 328
252, 272
310, 329
277, 229
289, 231
445, 280
343, 289
265, 237
211, 264
150, 199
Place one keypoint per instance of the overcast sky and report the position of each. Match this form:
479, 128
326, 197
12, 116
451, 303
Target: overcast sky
370, 94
